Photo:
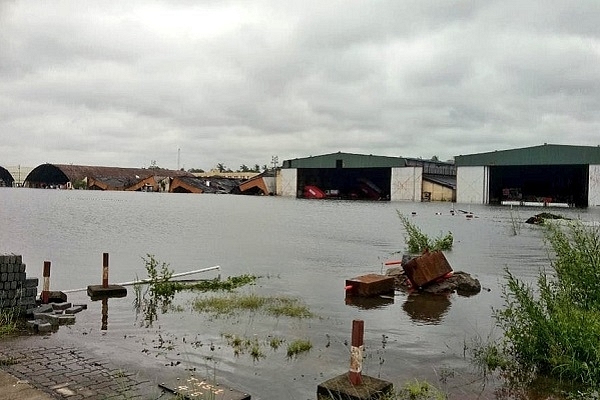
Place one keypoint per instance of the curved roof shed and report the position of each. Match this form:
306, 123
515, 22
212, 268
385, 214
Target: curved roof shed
6, 179
59, 175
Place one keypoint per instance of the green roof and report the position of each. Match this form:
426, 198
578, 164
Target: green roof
546, 154
348, 160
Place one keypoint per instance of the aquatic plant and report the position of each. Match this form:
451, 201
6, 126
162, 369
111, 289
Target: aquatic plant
418, 242
419, 390
160, 289
553, 329
297, 347
275, 306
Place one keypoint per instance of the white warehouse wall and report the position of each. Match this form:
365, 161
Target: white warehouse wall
594, 186
406, 184
287, 182
472, 185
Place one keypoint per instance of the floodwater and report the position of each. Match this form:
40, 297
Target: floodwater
305, 249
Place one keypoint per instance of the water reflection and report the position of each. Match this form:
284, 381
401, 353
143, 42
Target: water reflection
150, 300
104, 324
104, 308
369, 303
427, 308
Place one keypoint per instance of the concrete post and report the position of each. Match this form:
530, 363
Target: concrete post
46, 284
105, 270
356, 352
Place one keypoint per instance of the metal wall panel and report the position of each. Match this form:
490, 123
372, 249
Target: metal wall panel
288, 182
594, 186
406, 184
472, 185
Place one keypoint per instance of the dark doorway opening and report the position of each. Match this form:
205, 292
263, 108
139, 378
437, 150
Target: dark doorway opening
565, 184
346, 183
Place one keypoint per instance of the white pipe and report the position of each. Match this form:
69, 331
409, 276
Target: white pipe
149, 279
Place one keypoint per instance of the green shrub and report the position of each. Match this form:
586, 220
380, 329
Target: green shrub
418, 242
554, 329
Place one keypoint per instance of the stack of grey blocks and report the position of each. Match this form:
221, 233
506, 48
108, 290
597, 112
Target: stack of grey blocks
17, 292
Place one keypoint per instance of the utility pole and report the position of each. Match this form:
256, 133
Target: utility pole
178, 158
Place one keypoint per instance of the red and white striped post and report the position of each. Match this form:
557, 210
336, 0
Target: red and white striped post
46, 284
105, 270
356, 352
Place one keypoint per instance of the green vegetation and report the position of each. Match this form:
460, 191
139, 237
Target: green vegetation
419, 390
553, 330
5, 362
252, 346
418, 242
160, 289
414, 390
233, 303
297, 347
242, 345
9, 322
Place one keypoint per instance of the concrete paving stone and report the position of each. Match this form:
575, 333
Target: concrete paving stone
61, 306
73, 310
68, 370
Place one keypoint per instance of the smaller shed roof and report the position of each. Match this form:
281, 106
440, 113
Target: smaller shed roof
546, 154
348, 160
6, 179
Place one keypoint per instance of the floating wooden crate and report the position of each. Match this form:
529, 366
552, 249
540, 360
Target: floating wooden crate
369, 285
426, 268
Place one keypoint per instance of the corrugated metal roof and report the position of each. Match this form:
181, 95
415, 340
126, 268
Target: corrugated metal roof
347, 160
444, 180
546, 154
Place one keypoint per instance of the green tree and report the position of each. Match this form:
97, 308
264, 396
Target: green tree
221, 167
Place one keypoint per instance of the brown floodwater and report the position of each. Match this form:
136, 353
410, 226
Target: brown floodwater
299, 248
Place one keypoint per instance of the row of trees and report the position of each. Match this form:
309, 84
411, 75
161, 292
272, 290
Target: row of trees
243, 168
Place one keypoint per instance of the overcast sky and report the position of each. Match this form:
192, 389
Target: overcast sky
123, 83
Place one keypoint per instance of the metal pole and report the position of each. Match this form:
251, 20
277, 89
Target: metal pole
105, 270
356, 352
46, 287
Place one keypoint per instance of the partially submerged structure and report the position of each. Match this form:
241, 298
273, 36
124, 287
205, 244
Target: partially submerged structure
63, 176
548, 175
367, 177
6, 179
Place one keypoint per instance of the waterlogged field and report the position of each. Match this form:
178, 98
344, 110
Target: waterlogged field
294, 329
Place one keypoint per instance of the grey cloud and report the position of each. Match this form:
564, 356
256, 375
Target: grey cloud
238, 82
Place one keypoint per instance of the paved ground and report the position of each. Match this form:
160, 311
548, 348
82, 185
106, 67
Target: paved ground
12, 388
56, 372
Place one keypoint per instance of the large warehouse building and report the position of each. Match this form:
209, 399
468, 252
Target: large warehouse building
367, 177
551, 175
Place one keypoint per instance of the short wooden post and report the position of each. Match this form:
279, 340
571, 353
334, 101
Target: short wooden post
46, 285
356, 352
105, 270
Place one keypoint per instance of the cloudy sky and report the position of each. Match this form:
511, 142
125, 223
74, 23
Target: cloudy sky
125, 83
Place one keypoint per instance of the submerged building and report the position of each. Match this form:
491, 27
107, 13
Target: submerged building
549, 175
367, 177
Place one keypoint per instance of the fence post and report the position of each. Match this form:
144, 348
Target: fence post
105, 270
46, 284
356, 352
